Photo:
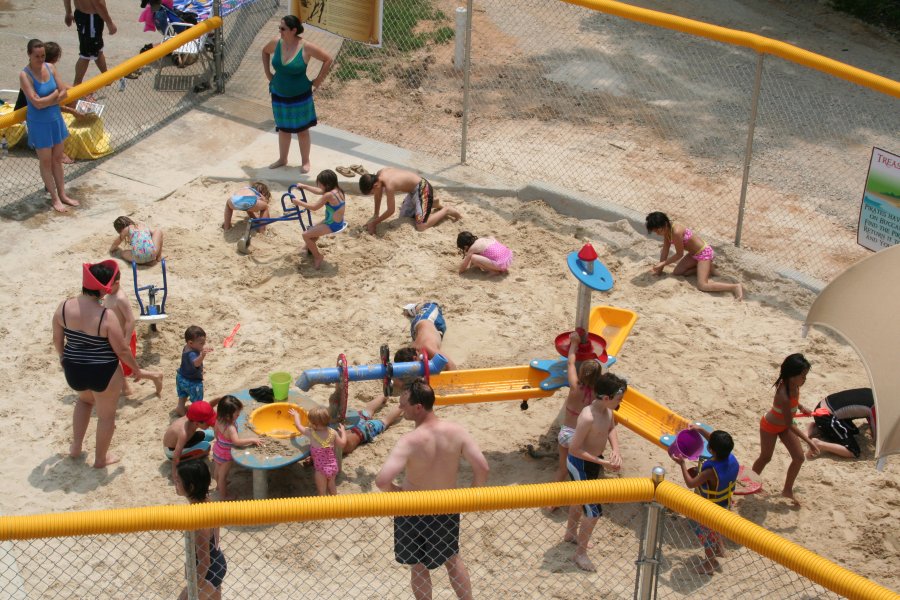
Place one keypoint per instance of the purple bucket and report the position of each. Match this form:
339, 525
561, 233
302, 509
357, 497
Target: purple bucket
688, 444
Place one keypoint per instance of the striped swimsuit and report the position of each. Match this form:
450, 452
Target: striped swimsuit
88, 361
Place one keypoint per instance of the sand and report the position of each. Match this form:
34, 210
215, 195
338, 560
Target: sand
703, 355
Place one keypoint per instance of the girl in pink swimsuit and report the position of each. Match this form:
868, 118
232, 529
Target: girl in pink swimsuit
692, 254
485, 253
227, 412
322, 442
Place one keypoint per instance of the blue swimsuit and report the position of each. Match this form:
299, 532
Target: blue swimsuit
335, 226
244, 201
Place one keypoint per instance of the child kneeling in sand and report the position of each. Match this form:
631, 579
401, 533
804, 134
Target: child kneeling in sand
253, 199
715, 481
483, 252
190, 436
144, 243
593, 429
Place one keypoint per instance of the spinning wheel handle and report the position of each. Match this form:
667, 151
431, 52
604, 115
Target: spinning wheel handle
426, 368
387, 384
524, 405
345, 384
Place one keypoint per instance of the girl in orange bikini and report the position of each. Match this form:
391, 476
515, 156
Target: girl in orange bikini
779, 423
692, 254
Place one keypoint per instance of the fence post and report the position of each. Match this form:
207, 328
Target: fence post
190, 564
466, 79
650, 553
748, 152
218, 49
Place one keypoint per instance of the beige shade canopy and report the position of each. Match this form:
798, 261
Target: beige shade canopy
863, 305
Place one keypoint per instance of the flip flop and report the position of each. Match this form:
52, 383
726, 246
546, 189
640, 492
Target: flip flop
345, 172
359, 169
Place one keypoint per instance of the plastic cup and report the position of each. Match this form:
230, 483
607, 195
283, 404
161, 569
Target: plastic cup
281, 384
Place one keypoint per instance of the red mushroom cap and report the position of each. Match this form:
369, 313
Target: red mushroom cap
587, 253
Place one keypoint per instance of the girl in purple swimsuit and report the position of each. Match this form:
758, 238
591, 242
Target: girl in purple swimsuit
322, 442
692, 254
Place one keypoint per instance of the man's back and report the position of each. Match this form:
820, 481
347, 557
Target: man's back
435, 448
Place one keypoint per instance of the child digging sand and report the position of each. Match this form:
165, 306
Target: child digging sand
322, 442
592, 431
227, 437
715, 481
144, 244
254, 199
483, 252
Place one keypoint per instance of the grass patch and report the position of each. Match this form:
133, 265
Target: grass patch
348, 70
443, 35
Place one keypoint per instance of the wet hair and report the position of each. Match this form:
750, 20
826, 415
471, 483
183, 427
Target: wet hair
292, 22
608, 384
193, 332
53, 52
366, 183
34, 44
589, 372
720, 444
421, 393
328, 180
657, 220
793, 366
195, 479
319, 417
101, 273
121, 223
409, 354
464, 240
228, 409
262, 189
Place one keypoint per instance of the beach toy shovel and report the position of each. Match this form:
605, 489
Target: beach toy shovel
688, 445
281, 383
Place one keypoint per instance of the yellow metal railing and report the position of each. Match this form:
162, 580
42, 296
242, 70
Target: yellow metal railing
121, 70
753, 41
762, 541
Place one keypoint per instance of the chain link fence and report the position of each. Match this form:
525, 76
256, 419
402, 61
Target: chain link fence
512, 552
647, 118
132, 109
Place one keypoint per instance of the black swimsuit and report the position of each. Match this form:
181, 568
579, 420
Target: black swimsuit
88, 361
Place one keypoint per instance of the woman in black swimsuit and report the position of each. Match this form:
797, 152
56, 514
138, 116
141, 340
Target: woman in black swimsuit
90, 344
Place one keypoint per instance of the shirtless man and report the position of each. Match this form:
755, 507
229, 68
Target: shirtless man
89, 17
427, 329
418, 203
119, 304
594, 427
430, 456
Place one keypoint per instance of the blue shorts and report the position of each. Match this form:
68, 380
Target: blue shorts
430, 311
188, 388
243, 202
368, 428
582, 470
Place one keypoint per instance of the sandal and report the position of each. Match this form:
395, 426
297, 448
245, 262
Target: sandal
345, 172
359, 169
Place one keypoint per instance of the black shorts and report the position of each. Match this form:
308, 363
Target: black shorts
429, 540
839, 431
95, 378
90, 35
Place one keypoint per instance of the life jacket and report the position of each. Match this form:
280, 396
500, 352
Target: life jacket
721, 488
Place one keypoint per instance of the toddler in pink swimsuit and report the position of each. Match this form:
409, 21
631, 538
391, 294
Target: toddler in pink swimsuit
483, 252
227, 412
322, 442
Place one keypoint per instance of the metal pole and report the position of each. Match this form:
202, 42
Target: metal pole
218, 49
190, 564
650, 553
748, 152
466, 79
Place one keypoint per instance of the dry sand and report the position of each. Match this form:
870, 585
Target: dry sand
704, 356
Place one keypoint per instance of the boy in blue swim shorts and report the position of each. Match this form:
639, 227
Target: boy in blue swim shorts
189, 377
427, 329
594, 428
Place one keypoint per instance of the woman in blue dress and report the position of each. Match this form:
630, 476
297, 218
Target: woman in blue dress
291, 89
46, 128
